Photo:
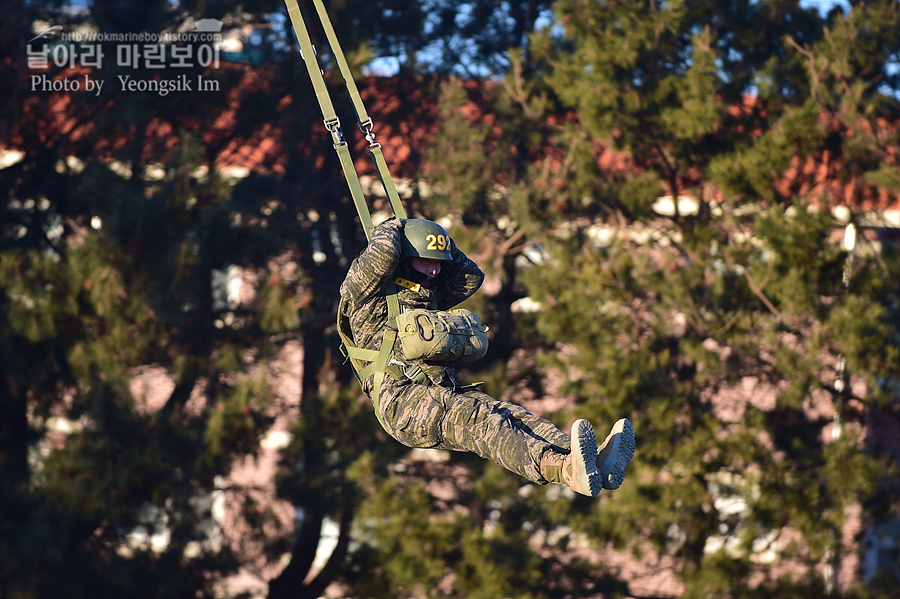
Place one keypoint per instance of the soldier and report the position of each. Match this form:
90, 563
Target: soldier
403, 343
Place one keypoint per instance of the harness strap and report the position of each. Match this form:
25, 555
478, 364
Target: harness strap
384, 175
384, 355
332, 122
356, 192
359, 353
308, 55
362, 117
380, 361
386, 351
361, 357
376, 394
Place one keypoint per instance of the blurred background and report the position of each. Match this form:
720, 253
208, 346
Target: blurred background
688, 212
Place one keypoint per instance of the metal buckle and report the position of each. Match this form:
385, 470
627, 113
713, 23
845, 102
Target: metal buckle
366, 128
412, 372
334, 127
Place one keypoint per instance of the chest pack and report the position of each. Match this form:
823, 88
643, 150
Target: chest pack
380, 362
454, 335
432, 335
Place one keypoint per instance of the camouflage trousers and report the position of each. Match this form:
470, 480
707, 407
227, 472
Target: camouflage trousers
432, 416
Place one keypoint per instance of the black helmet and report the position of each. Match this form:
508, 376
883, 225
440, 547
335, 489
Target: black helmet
424, 239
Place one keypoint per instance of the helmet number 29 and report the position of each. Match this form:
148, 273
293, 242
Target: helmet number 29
436, 242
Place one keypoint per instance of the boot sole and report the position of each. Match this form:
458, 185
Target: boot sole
584, 452
615, 453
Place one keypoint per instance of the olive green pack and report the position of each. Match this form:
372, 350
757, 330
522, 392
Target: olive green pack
455, 335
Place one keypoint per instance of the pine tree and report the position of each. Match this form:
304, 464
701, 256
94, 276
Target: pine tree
672, 307
651, 308
110, 253
109, 257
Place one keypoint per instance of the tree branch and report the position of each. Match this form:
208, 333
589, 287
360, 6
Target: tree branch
762, 296
329, 572
287, 584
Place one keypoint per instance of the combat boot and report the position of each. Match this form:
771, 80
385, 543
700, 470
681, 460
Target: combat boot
577, 469
615, 453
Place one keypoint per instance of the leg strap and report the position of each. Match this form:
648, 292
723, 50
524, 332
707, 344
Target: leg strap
376, 397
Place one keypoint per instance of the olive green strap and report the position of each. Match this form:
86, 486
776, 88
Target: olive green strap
360, 353
309, 54
386, 181
393, 302
332, 122
356, 192
376, 398
384, 355
362, 117
390, 334
380, 359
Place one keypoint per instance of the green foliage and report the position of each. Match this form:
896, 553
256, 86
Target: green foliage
496, 566
885, 177
698, 113
550, 174
414, 543
462, 178
238, 421
649, 314
639, 324
444, 555
37, 300
751, 171
277, 308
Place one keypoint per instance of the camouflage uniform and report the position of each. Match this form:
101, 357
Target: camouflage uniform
441, 413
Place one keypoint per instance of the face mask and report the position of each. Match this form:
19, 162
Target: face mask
409, 273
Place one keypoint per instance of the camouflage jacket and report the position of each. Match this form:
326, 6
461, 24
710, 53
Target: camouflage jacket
366, 307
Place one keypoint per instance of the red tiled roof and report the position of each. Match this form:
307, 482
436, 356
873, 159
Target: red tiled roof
406, 119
